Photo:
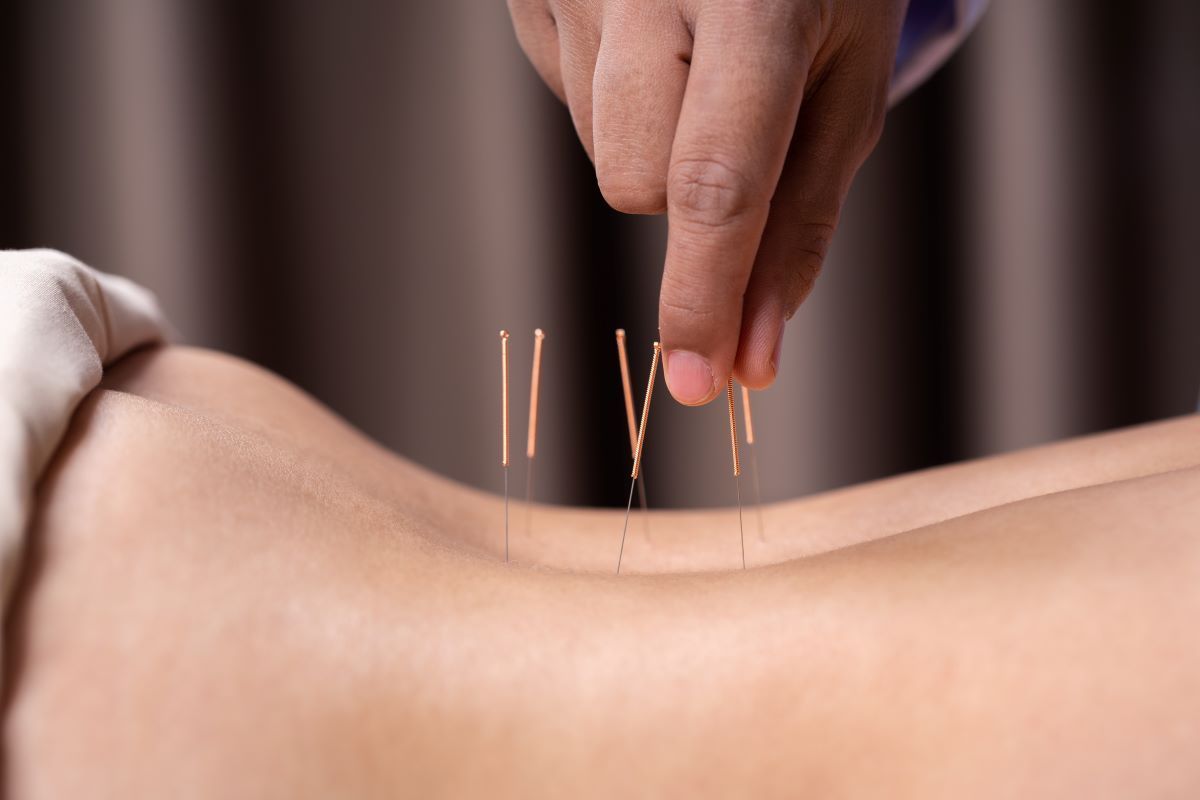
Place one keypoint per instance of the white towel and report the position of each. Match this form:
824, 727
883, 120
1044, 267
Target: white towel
60, 323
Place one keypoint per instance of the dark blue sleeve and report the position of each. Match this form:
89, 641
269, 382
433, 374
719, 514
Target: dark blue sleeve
927, 21
933, 29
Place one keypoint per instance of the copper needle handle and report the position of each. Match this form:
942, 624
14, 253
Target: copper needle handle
534, 382
504, 398
627, 388
733, 442
746, 414
641, 438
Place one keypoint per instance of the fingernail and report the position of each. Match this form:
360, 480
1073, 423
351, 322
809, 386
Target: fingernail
778, 349
689, 377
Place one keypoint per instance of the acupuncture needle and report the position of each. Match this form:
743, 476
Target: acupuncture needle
753, 459
637, 451
737, 466
504, 429
531, 443
631, 421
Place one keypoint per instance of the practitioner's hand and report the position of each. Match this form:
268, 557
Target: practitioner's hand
744, 120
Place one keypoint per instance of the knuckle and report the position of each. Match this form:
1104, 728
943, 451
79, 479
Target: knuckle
683, 304
632, 192
684, 309
742, 8
626, 172
709, 192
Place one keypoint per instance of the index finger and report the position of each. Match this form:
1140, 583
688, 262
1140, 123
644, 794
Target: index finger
749, 68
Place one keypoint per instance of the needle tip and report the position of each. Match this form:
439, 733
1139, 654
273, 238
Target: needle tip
503, 334
538, 333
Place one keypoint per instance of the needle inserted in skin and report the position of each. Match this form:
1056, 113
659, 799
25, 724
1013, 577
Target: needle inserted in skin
504, 429
637, 450
753, 460
737, 466
531, 443
631, 421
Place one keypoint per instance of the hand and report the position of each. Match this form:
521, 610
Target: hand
745, 121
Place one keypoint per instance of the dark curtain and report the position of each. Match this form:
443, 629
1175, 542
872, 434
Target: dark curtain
360, 195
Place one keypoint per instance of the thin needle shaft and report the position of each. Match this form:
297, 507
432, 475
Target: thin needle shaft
631, 422
637, 450
531, 443
753, 460
737, 465
504, 428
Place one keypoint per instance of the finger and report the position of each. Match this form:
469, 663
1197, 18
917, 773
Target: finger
749, 66
641, 71
578, 45
837, 128
537, 34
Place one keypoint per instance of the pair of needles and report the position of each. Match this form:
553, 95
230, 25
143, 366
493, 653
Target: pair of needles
531, 443
641, 440
638, 443
631, 422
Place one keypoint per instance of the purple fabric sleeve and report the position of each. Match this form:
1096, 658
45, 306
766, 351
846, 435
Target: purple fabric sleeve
933, 29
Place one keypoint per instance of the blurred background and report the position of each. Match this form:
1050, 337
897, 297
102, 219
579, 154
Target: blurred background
359, 195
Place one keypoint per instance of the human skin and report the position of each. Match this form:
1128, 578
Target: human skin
745, 123
230, 593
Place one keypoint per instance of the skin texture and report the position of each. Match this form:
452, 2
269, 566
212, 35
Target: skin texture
230, 593
745, 123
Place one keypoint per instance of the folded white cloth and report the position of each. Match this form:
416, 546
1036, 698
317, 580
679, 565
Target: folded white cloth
60, 323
